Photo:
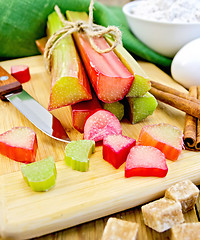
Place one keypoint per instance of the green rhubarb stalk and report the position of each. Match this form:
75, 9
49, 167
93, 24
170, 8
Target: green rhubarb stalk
116, 108
141, 107
69, 81
141, 83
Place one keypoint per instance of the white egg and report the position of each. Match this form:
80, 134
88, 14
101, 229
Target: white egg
185, 67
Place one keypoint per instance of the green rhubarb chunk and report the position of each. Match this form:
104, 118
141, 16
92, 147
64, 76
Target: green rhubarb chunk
77, 154
116, 108
141, 84
141, 107
40, 175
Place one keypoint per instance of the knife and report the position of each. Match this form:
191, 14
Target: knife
11, 89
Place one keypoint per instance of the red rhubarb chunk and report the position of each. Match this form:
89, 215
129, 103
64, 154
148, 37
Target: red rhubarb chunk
100, 124
19, 144
167, 138
21, 73
81, 110
145, 161
116, 149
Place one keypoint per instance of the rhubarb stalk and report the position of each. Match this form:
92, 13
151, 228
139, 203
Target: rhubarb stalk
141, 83
109, 77
69, 81
40, 43
81, 110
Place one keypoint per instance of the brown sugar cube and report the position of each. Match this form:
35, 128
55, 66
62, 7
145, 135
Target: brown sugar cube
120, 229
184, 192
162, 214
189, 231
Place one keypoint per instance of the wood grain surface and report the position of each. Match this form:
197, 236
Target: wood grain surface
82, 197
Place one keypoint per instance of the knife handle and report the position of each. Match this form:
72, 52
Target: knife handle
8, 84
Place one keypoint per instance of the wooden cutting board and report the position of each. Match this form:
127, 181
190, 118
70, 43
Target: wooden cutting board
79, 197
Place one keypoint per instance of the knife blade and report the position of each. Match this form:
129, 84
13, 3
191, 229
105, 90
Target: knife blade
11, 90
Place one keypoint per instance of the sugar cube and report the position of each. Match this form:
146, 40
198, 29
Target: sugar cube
120, 230
184, 192
162, 214
189, 231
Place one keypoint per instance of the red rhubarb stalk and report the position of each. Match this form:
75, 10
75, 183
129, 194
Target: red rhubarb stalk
109, 77
81, 110
40, 43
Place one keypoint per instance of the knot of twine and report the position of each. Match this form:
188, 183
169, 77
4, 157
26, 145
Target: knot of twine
90, 29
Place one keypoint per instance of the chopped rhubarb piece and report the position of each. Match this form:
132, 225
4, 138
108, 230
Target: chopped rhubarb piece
21, 73
117, 108
40, 175
141, 83
145, 161
109, 77
100, 124
69, 80
141, 107
167, 138
19, 144
77, 154
81, 110
116, 149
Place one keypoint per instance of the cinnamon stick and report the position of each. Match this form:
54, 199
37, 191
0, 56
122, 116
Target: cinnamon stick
198, 124
173, 91
188, 106
190, 128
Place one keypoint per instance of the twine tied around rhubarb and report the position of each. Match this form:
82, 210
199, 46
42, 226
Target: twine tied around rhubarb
90, 29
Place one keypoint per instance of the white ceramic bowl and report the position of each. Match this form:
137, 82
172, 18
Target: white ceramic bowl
164, 38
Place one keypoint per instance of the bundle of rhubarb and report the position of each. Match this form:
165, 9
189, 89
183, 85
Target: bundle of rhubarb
87, 80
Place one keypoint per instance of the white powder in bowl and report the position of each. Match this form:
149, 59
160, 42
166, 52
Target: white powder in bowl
176, 11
